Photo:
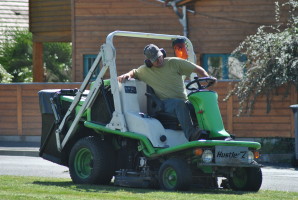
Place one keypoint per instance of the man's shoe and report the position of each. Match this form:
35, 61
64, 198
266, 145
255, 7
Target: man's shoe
195, 136
204, 134
198, 134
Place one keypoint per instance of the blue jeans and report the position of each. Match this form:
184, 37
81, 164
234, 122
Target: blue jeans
178, 108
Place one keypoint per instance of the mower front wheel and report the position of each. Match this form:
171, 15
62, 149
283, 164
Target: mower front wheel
246, 179
91, 161
174, 174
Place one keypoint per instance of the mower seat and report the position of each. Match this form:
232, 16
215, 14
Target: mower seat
155, 109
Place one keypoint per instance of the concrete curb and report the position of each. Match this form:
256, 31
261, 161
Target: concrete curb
19, 151
27, 147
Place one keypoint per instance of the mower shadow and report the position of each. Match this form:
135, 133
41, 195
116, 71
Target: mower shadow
110, 188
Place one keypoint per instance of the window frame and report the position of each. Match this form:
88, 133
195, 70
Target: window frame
87, 64
225, 61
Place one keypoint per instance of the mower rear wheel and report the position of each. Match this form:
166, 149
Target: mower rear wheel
174, 174
91, 161
246, 179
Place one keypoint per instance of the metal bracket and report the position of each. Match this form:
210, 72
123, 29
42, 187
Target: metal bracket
182, 16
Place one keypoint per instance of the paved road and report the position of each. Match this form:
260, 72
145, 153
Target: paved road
280, 179
274, 178
31, 166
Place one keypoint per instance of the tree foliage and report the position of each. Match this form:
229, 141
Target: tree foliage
5, 77
57, 59
16, 58
272, 59
16, 55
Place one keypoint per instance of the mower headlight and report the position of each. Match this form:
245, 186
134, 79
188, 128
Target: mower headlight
207, 156
250, 156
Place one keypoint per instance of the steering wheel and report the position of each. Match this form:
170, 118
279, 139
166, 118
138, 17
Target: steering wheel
207, 80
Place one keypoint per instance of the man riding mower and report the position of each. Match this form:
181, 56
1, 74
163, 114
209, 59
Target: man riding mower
115, 129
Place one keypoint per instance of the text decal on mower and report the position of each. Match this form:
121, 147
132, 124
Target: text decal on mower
130, 89
231, 154
221, 154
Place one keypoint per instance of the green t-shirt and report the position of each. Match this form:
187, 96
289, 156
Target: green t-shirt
167, 80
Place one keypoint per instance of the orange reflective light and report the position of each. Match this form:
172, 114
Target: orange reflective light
256, 154
198, 152
180, 50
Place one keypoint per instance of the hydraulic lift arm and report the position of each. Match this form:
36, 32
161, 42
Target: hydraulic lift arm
90, 97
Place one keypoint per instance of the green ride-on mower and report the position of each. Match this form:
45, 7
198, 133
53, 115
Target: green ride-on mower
110, 133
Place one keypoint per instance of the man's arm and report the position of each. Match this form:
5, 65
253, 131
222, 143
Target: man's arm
201, 71
126, 76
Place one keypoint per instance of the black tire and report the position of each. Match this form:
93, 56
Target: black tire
246, 179
174, 174
91, 161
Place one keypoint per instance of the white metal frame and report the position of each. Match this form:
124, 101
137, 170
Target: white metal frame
108, 56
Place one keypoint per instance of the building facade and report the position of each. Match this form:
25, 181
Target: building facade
14, 14
215, 28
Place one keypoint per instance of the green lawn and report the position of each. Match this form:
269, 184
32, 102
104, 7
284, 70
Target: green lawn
17, 187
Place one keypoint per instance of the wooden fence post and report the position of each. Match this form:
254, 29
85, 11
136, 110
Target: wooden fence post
230, 114
230, 110
38, 62
294, 100
19, 110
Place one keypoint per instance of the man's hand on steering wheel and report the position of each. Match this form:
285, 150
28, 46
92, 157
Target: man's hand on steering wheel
209, 81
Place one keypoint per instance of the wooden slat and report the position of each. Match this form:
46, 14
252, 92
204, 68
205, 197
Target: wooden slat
7, 132
7, 106
47, 19
9, 119
29, 106
8, 112
31, 132
59, 12
58, 27
270, 119
11, 125
262, 112
6, 87
5, 99
262, 126
220, 3
49, 8
185, 2
64, 36
262, 133
32, 112
19, 110
42, 3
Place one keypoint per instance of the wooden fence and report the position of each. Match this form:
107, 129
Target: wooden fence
20, 115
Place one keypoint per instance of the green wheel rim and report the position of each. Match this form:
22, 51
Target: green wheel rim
83, 163
240, 178
170, 178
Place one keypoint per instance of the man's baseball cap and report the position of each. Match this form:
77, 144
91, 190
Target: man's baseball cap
152, 52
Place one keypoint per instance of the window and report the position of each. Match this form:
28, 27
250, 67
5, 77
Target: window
224, 66
88, 61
